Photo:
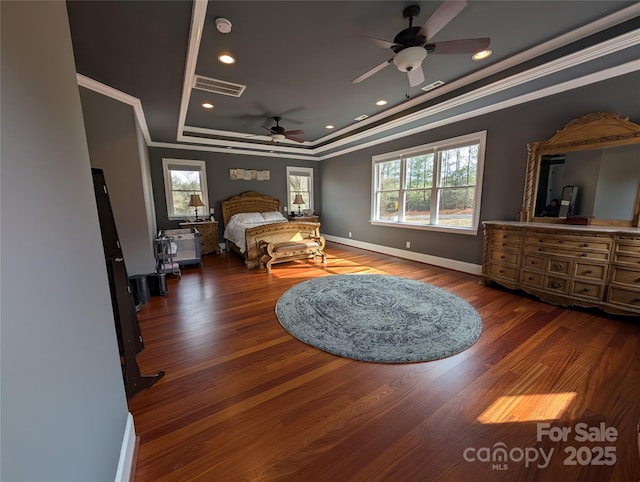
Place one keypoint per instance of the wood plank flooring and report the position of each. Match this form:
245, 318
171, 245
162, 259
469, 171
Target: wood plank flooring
244, 400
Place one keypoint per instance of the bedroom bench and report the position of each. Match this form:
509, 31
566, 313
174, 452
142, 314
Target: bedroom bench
289, 241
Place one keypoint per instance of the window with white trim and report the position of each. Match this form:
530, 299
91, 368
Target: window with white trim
182, 178
300, 181
435, 186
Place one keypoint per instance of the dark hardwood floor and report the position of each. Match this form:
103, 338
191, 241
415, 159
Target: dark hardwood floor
244, 400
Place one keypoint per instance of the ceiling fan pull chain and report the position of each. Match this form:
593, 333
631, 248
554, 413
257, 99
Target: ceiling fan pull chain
406, 95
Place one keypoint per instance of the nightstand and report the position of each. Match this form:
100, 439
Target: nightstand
208, 235
307, 219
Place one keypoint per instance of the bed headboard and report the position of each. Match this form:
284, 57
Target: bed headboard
248, 202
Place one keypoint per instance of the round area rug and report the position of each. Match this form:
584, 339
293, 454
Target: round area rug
379, 318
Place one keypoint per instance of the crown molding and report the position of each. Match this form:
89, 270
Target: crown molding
88, 83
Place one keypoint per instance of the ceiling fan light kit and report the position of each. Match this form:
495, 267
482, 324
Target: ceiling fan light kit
410, 58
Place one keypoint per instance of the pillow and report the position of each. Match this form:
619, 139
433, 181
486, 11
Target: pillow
245, 218
273, 216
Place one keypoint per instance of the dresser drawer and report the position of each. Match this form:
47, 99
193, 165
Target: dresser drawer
626, 277
533, 262
501, 271
587, 290
559, 285
559, 266
503, 243
532, 278
568, 252
580, 242
624, 297
591, 271
626, 259
505, 257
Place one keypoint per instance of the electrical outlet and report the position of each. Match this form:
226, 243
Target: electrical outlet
408, 244
349, 233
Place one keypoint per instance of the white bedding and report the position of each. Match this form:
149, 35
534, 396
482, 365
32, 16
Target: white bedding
234, 231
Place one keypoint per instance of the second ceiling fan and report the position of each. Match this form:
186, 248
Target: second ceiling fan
279, 133
411, 45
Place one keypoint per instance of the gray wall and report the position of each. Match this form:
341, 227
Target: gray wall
114, 141
220, 187
63, 402
346, 180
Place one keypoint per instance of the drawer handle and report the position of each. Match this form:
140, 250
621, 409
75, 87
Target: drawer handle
502, 257
636, 300
540, 249
584, 255
559, 241
585, 290
533, 262
530, 278
586, 245
541, 240
501, 271
589, 271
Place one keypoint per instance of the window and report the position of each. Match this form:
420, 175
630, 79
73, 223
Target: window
300, 181
182, 178
435, 186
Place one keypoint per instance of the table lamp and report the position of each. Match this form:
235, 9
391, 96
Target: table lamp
195, 202
298, 200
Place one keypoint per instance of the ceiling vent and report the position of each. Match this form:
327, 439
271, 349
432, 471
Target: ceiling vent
361, 117
218, 86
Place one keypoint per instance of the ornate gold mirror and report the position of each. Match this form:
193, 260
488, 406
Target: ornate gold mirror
590, 168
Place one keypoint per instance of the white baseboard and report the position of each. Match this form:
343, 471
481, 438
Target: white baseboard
125, 464
401, 253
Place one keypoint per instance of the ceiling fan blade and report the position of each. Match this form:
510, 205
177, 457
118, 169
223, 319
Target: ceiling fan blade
385, 44
294, 132
374, 70
462, 46
296, 139
267, 128
416, 76
441, 17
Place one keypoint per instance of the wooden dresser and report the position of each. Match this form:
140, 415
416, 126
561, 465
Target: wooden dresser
587, 266
208, 235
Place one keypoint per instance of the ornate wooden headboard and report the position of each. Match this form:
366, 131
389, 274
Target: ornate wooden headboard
248, 202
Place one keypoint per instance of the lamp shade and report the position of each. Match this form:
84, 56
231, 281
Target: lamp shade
298, 199
195, 201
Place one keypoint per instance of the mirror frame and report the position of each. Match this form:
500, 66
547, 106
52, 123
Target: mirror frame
591, 131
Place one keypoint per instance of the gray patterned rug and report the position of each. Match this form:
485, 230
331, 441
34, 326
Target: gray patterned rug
379, 318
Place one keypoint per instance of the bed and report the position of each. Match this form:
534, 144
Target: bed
251, 219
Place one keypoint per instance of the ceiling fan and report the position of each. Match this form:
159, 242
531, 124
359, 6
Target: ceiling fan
411, 45
279, 134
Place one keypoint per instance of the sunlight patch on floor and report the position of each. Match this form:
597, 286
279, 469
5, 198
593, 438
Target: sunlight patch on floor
527, 408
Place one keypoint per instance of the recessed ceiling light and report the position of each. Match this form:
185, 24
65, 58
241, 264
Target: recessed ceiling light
207, 105
329, 126
226, 59
481, 55
223, 25
381, 102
